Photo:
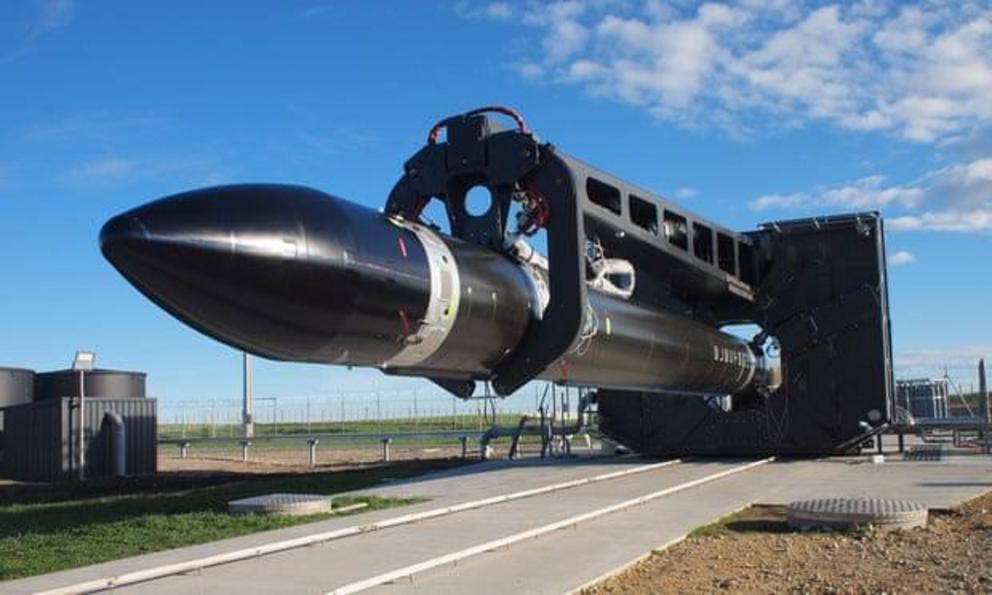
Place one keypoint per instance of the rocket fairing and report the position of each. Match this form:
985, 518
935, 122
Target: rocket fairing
291, 273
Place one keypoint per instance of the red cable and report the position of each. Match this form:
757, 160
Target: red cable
498, 109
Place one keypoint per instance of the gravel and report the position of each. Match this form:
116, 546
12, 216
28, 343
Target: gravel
756, 552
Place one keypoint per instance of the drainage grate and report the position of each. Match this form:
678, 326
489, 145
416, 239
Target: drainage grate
287, 504
846, 513
926, 452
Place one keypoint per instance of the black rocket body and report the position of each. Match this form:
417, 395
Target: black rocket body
291, 273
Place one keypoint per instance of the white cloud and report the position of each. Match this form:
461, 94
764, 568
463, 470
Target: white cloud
950, 220
953, 198
781, 201
529, 70
685, 193
958, 357
113, 171
499, 11
921, 71
337, 140
106, 170
46, 16
867, 193
52, 14
901, 257
90, 127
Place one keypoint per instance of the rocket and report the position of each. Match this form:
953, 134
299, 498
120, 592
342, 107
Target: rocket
291, 273
568, 274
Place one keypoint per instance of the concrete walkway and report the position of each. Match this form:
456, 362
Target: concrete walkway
557, 562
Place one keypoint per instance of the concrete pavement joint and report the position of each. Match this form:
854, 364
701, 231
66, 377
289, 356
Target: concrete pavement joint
432, 563
188, 566
655, 550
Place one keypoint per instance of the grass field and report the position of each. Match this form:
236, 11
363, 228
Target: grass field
36, 538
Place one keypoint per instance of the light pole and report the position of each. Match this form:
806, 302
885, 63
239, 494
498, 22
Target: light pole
82, 363
983, 390
248, 406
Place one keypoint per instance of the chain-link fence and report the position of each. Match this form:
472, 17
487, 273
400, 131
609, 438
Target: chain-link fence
348, 412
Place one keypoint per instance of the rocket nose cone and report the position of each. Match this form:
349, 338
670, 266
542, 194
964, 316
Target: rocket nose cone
208, 233
282, 271
225, 260
120, 232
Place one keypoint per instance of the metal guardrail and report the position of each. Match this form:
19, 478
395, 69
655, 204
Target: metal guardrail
330, 437
312, 440
956, 423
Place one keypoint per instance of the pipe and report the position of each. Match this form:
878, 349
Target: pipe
113, 423
546, 432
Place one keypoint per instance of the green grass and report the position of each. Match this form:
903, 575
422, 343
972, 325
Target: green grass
759, 518
717, 528
40, 538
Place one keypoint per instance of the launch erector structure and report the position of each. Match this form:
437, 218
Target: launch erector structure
630, 297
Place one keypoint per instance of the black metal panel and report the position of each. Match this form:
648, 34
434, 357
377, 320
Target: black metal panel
700, 286
34, 445
824, 296
16, 386
141, 435
557, 331
100, 384
42, 438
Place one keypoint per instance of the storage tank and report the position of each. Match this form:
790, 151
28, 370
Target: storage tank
16, 386
100, 384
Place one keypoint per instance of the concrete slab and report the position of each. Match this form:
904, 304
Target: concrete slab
445, 488
591, 551
318, 569
557, 562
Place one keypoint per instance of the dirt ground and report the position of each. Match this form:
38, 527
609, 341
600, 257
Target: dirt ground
294, 459
756, 552
205, 467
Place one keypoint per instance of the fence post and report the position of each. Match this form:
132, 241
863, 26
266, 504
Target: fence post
313, 442
385, 449
244, 450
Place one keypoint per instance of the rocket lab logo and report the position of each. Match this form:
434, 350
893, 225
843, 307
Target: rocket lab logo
729, 356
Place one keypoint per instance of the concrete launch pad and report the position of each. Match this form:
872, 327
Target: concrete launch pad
579, 550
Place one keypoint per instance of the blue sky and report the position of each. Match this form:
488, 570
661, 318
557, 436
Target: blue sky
744, 112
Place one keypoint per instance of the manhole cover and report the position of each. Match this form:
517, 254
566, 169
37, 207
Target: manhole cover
846, 513
289, 504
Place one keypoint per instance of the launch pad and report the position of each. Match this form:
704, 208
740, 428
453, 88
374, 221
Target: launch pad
541, 526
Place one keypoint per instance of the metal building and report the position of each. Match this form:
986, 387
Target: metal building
923, 398
101, 384
16, 387
40, 441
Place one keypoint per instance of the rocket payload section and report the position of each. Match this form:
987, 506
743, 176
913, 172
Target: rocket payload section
630, 298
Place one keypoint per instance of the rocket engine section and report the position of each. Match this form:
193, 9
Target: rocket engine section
630, 297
